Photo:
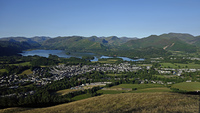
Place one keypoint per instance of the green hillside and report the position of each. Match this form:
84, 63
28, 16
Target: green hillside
13, 48
112, 46
182, 36
166, 41
29, 41
123, 103
72, 43
196, 42
110, 41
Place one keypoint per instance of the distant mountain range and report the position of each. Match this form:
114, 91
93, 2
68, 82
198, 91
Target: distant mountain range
170, 41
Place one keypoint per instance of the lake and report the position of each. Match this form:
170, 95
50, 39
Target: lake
62, 53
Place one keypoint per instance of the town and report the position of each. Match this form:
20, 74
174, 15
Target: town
58, 72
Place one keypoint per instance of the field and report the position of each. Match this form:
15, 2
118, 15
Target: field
124, 102
138, 86
65, 91
109, 61
80, 97
152, 90
145, 65
22, 64
177, 65
187, 86
114, 74
3, 70
27, 72
111, 91
165, 76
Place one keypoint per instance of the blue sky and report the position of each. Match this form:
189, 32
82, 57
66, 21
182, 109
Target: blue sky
131, 18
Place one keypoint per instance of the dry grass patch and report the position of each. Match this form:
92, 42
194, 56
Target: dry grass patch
27, 72
65, 91
128, 102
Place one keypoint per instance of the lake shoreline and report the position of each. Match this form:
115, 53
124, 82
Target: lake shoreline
62, 53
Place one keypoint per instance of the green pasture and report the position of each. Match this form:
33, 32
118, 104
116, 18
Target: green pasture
144, 64
80, 97
110, 91
108, 60
187, 86
22, 64
141, 88
138, 86
114, 74
3, 70
165, 76
177, 65
152, 90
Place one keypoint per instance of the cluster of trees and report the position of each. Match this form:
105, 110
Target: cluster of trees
75, 61
43, 61
194, 76
88, 57
42, 98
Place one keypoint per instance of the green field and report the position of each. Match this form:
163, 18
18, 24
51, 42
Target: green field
111, 91
138, 86
177, 65
114, 74
152, 90
3, 70
22, 64
141, 88
187, 86
144, 64
165, 76
80, 97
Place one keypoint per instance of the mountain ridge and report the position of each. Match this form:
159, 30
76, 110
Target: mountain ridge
170, 41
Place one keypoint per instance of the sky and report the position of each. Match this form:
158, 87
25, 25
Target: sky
130, 18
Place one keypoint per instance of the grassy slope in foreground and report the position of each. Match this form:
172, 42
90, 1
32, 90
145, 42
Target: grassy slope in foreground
188, 86
124, 102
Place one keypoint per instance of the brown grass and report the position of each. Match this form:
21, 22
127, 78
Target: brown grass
128, 102
27, 72
65, 91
